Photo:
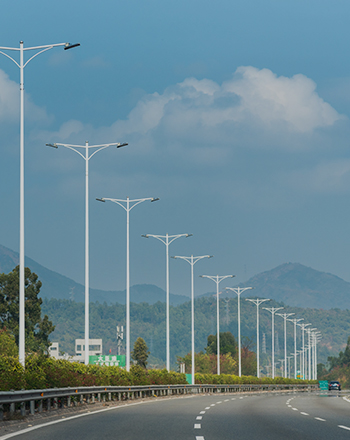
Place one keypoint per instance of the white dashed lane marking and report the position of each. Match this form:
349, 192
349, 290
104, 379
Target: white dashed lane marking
304, 413
199, 417
208, 407
197, 426
213, 404
319, 418
199, 437
202, 412
344, 427
295, 409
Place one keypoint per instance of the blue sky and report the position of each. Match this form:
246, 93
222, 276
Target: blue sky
237, 117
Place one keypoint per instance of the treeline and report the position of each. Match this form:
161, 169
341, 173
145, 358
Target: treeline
149, 322
337, 367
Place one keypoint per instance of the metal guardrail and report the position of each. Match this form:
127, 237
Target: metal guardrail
31, 401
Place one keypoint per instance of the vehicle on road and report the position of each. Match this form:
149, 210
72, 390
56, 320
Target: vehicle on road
334, 385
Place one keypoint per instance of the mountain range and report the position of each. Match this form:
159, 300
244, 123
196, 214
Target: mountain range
291, 283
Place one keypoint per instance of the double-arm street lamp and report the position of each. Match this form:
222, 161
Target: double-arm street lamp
273, 310
167, 240
257, 302
239, 291
285, 316
192, 261
303, 327
21, 65
87, 156
295, 321
127, 205
217, 280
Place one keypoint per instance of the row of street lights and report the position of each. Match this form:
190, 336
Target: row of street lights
127, 205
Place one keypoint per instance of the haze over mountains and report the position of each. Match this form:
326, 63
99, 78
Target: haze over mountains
291, 283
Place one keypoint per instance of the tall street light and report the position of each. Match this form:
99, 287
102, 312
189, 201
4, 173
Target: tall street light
257, 302
217, 280
21, 65
295, 321
129, 205
273, 310
167, 240
86, 156
308, 331
303, 327
285, 316
192, 261
239, 291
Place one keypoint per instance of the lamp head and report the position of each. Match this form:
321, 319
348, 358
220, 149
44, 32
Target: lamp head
68, 46
154, 199
145, 236
52, 145
122, 145
101, 200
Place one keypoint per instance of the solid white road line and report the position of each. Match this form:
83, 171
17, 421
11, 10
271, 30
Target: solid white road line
197, 426
319, 418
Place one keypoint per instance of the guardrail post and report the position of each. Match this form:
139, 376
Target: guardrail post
1, 412
98, 397
93, 398
109, 396
12, 408
81, 400
23, 409
32, 407
48, 404
68, 401
55, 403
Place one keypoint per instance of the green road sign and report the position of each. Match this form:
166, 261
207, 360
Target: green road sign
109, 361
323, 384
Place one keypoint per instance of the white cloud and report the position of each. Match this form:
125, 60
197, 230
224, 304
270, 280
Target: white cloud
9, 103
326, 177
254, 108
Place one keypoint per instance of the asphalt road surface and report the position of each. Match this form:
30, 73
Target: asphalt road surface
212, 417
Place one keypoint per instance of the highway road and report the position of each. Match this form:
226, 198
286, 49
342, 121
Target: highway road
210, 417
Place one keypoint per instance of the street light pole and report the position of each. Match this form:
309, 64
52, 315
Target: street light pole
273, 310
192, 261
239, 291
303, 327
285, 316
295, 321
125, 204
217, 280
167, 240
21, 65
257, 302
86, 156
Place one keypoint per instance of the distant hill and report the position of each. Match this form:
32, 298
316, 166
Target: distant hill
301, 286
290, 283
61, 287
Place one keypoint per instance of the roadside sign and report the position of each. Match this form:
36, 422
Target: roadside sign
109, 361
323, 384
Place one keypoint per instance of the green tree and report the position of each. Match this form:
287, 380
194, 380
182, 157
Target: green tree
140, 352
8, 345
228, 344
37, 329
